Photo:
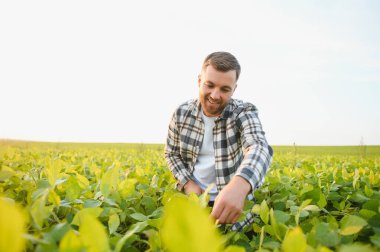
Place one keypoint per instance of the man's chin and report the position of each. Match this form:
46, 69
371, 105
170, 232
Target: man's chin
212, 113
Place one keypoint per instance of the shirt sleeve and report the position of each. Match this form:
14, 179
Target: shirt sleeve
257, 153
173, 155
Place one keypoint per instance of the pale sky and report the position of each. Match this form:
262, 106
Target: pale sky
114, 71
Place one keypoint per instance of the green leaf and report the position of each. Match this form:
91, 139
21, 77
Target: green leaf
372, 205
73, 190
157, 213
359, 197
322, 201
39, 211
52, 169
204, 198
256, 209
312, 208
355, 178
368, 191
127, 187
92, 234
149, 204
325, 235
155, 223
281, 216
375, 239
92, 203
94, 212
275, 226
135, 228
323, 249
187, 227
139, 217
6, 173
59, 181
262, 234
374, 222
264, 212
71, 243
113, 223
12, 227
356, 247
82, 181
272, 245
367, 214
305, 203
313, 195
234, 248
351, 224
294, 241
57, 232
110, 179
54, 198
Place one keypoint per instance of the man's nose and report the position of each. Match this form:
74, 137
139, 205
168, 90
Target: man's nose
215, 94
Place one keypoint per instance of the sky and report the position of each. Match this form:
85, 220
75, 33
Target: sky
114, 71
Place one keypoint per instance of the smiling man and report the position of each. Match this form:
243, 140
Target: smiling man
218, 140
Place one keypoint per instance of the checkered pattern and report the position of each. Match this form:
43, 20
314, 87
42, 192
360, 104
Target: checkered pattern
239, 144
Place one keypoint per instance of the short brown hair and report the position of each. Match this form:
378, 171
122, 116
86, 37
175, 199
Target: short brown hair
223, 62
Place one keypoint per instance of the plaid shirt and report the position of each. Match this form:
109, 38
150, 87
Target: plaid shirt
239, 144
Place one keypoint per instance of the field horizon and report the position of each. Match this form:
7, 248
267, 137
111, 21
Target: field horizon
359, 150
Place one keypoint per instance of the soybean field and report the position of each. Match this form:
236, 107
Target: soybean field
121, 197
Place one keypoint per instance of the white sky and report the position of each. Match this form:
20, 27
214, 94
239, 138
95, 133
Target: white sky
114, 71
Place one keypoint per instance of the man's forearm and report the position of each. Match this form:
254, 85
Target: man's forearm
255, 165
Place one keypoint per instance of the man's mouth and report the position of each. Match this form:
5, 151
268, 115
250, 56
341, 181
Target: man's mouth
211, 101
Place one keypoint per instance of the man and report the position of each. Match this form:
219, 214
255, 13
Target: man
217, 139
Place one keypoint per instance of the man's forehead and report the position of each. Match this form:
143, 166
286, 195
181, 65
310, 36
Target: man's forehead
220, 78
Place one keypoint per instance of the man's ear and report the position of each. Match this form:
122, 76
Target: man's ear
199, 80
234, 88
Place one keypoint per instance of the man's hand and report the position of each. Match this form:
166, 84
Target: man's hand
192, 187
229, 203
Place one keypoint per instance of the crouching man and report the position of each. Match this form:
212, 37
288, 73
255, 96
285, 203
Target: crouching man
218, 139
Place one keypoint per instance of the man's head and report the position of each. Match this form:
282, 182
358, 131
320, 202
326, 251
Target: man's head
217, 82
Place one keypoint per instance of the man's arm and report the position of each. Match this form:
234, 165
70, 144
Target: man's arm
257, 152
229, 203
175, 161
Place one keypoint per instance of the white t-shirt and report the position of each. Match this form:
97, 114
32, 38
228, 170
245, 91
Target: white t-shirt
204, 168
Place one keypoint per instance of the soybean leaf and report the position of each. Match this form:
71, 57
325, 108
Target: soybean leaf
264, 212
113, 223
135, 228
94, 212
375, 239
294, 241
71, 243
187, 227
92, 234
325, 235
12, 227
139, 216
351, 224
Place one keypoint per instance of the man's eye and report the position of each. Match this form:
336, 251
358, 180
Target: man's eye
209, 85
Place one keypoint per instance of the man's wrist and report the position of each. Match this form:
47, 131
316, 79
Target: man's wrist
242, 184
188, 183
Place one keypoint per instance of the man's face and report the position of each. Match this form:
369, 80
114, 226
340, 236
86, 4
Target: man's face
215, 90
